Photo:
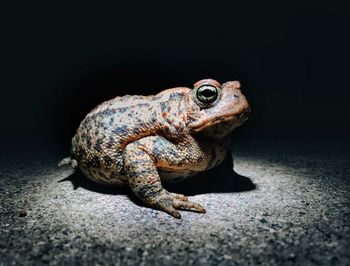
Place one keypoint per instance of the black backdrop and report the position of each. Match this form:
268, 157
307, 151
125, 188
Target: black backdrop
61, 60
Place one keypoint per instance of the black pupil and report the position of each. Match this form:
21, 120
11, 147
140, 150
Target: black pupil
208, 93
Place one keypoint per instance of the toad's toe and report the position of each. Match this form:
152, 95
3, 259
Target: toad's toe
170, 202
188, 205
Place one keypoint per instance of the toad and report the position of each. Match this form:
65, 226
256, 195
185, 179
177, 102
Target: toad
144, 141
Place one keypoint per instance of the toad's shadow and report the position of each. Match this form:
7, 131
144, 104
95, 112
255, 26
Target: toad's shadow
221, 179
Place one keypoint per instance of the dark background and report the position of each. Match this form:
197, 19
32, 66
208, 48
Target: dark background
61, 60
288, 202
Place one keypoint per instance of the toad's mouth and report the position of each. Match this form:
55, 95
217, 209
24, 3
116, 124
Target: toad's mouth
235, 119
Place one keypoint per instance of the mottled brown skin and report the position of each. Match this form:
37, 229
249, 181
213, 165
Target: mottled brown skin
143, 140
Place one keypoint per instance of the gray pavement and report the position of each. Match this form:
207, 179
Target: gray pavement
288, 204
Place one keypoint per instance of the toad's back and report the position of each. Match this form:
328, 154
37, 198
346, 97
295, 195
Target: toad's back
104, 133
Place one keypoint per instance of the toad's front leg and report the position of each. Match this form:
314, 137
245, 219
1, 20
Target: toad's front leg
145, 182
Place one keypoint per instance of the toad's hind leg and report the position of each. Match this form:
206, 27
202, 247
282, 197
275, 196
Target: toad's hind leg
145, 182
68, 160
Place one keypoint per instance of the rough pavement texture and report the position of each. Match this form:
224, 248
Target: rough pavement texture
298, 213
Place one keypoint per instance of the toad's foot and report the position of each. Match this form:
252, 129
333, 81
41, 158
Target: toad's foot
170, 202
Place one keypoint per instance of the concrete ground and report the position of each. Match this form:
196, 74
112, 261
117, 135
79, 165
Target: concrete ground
288, 204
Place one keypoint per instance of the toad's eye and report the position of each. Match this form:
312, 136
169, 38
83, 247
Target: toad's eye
207, 93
